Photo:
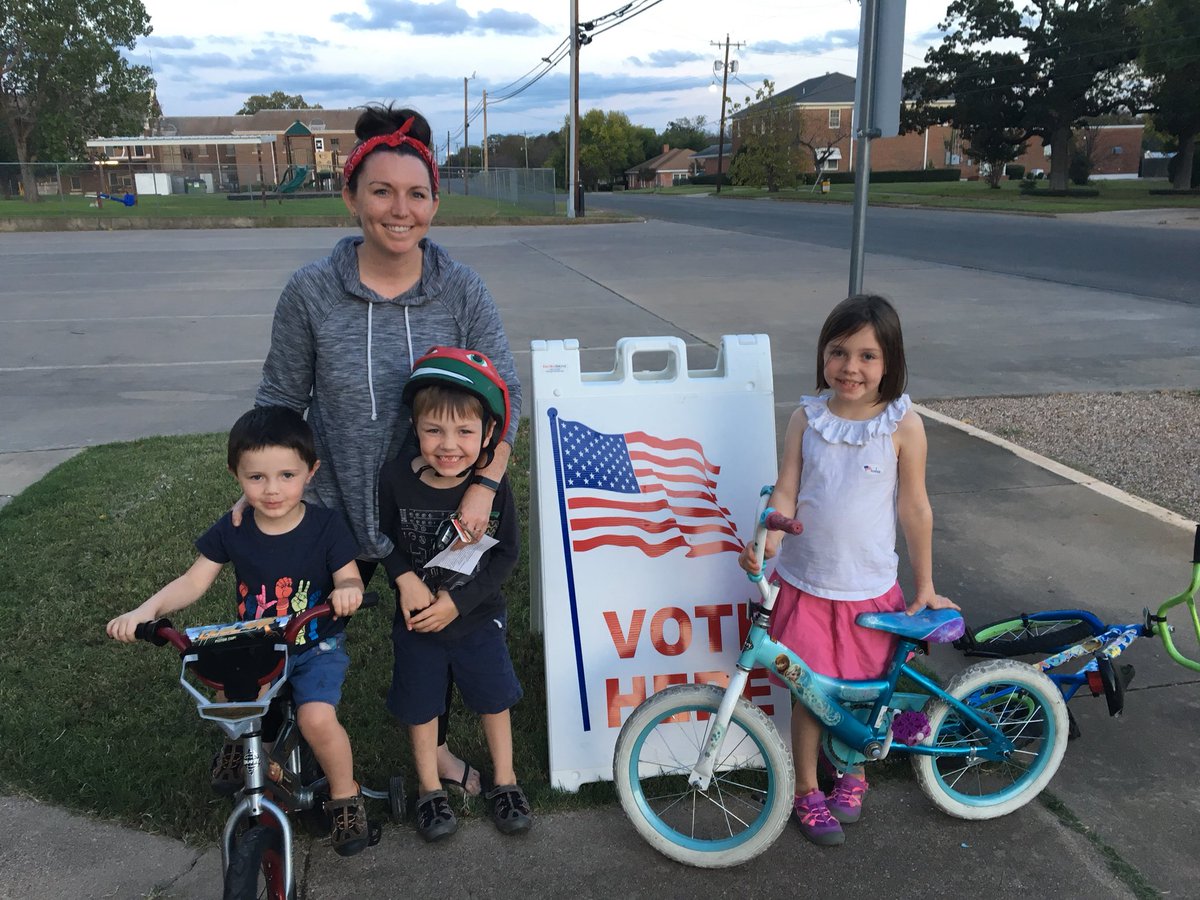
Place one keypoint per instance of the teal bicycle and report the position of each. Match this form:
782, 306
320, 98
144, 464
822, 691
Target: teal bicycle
707, 780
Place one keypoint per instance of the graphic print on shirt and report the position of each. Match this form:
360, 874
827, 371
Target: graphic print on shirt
299, 604
283, 590
261, 607
242, 592
425, 533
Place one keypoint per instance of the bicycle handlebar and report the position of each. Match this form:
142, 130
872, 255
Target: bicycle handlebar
161, 632
779, 522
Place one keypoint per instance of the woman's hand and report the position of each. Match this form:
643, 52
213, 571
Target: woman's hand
475, 511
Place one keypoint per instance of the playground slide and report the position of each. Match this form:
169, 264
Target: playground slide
296, 181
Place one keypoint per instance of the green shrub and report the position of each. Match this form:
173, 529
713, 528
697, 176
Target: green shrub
1015, 172
899, 176
709, 179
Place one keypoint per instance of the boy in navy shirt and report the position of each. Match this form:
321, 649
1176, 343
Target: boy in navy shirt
287, 556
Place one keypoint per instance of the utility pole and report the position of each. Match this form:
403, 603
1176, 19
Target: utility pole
724, 85
485, 134
573, 138
466, 142
526, 134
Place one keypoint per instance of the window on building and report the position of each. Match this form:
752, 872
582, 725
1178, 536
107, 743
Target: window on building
335, 142
835, 118
830, 165
139, 150
316, 125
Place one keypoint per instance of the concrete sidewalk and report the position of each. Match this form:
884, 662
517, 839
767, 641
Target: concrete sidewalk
174, 348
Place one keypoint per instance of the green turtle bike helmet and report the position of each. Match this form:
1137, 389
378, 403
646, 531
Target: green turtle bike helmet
470, 371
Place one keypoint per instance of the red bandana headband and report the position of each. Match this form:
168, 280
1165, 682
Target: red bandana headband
397, 138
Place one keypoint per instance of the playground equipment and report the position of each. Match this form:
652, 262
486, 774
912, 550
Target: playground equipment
296, 181
126, 199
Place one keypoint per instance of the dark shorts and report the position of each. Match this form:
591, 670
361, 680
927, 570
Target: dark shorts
317, 674
478, 662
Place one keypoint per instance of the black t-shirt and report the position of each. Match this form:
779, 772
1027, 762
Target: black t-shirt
415, 517
281, 574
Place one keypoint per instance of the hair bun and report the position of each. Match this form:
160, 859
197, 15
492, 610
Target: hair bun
377, 119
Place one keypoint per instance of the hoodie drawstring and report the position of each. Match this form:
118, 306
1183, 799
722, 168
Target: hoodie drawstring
370, 368
370, 371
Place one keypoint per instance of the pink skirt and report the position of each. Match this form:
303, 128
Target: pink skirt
823, 632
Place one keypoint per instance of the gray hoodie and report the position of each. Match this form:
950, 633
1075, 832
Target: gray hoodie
344, 353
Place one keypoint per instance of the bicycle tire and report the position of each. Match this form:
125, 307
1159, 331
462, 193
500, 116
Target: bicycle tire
1028, 707
1027, 635
255, 868
686, 825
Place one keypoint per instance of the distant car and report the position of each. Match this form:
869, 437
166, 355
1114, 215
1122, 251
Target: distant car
1038, 173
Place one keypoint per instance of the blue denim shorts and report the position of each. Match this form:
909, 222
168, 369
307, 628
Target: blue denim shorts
317, 674
478, 663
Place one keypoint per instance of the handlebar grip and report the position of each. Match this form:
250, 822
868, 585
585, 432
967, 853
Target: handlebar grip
151, 632
370, 598
779, 522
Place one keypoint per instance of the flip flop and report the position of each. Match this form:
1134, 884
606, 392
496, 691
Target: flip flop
461, 783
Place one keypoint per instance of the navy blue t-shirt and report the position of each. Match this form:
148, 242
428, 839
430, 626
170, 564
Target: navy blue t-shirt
281, 574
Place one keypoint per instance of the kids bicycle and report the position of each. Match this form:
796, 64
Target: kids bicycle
707, 780
1076, 634
247, 662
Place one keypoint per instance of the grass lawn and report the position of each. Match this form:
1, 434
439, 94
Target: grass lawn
105, 728
453, 208
1114, 195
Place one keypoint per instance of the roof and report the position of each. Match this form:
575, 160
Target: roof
712, 151
671, 161
830, 89
190, 140
266, 121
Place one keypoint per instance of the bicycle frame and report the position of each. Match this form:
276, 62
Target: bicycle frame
824, 696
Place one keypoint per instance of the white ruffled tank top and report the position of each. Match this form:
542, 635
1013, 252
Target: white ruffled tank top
847, 503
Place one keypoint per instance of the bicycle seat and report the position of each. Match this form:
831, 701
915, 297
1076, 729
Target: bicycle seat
938, 626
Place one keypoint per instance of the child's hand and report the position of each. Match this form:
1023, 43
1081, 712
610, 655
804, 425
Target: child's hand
345, 600
436, 617
414, 596
746, 558
122, 628
930, 599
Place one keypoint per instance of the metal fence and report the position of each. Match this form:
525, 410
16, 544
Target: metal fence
529, 190
515, 191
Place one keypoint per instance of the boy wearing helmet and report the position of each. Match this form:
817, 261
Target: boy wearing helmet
449, 624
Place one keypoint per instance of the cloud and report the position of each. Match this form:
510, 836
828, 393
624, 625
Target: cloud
173, 42
442, 18
831, 40
932, 36
666, 59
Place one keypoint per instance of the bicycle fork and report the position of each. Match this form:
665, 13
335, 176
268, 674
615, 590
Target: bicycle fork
254, 804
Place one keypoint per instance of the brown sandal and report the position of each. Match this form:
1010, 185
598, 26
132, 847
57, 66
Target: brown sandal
348, 828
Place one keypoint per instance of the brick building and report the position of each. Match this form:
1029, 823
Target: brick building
822, 109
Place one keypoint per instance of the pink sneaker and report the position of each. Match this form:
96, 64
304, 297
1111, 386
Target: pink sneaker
816, 822
846, 799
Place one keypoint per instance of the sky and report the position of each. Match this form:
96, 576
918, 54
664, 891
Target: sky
655, 63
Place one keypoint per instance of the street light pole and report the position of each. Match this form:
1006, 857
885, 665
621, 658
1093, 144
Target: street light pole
724, 86
485, 133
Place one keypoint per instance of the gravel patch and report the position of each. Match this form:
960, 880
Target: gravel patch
1146, 443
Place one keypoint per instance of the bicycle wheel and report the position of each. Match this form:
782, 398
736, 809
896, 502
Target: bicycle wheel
1023, 704
748, 802
255, 866
1026, 635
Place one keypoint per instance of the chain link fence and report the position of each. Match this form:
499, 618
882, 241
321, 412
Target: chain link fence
512, 191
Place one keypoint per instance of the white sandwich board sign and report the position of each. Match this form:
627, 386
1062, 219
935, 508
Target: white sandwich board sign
644, 486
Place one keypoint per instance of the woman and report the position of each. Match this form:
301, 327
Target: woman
349, 327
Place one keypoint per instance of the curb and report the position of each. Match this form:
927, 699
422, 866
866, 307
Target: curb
1074, 476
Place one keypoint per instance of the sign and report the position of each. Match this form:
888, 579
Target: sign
644, 486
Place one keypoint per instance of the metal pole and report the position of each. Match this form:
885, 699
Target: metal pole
866, 118
466, 142
573, 139
526, 133
485, 134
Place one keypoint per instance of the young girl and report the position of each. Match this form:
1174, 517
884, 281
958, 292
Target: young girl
853, 462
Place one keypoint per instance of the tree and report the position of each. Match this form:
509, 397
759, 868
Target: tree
768, 155
62, 77
608, 145
814, 134
1168, 57
274, 100
1059, 76
690, 133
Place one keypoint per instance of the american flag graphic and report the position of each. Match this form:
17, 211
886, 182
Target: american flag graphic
637, 490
